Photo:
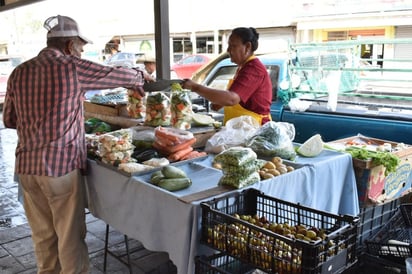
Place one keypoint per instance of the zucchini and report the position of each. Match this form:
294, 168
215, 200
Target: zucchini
173, 172
156, 177
175, 184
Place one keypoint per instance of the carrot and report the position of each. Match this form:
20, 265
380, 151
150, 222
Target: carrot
162, 150
165, 141
183, 145
169, 149
162, 133
176, 156
193, 154
173, 135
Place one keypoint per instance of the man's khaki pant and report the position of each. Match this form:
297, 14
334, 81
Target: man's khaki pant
55, 209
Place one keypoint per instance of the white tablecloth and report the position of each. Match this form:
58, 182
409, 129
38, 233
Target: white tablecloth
161, 222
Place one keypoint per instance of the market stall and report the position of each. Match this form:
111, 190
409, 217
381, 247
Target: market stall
171, 221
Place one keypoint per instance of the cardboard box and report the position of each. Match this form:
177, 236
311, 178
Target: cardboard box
373, 186
110, 110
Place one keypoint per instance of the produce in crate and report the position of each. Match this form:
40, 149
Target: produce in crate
389, 160
277, 236
180, 107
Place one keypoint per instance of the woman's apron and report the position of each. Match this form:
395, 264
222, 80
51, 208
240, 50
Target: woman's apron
237, 110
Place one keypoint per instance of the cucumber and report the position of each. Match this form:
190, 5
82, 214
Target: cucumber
156, 177
173, 172
175, 184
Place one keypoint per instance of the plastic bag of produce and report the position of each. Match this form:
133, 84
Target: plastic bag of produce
119, 140
234, 133
274, 139
95, 125
118, 157
243, 170
180, 107
157, 109
116, 147
235, 156
136, 104
239, 181
142, 137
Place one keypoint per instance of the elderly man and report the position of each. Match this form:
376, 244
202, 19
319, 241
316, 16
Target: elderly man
44, 103
149, 63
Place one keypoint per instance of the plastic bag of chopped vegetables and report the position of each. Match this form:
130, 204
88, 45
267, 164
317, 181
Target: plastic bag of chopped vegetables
157, 109
136, 106
180, 107
235, 156
239, 181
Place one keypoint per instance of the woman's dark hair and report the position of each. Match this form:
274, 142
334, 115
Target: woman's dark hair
247, 35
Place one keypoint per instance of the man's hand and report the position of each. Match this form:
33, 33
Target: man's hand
139, 90
148, 77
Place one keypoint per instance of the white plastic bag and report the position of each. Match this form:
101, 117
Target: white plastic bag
234, 133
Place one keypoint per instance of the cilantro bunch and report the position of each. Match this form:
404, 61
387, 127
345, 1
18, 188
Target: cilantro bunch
389, 160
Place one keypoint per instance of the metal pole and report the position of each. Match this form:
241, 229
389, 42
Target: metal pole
162, 38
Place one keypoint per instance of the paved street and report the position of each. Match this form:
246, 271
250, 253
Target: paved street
16, 249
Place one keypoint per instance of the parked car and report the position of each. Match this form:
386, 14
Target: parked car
186, 66
7, 64
177, 56
124, 59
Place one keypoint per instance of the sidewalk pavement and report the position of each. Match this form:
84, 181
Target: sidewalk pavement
17, 255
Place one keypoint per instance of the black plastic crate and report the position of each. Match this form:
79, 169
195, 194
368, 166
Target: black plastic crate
368, 264
271, 242
372, 219
394, 241
221, 264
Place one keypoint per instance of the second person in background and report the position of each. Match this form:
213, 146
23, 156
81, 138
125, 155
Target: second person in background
250, 90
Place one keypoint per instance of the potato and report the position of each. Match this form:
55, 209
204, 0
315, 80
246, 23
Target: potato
276, 159
269, 165
274, 172
282, 169
267, 176
217, 165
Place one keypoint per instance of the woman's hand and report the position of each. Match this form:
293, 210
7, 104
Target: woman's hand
215, 107
188, 84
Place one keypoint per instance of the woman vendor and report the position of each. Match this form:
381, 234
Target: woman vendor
250, 90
